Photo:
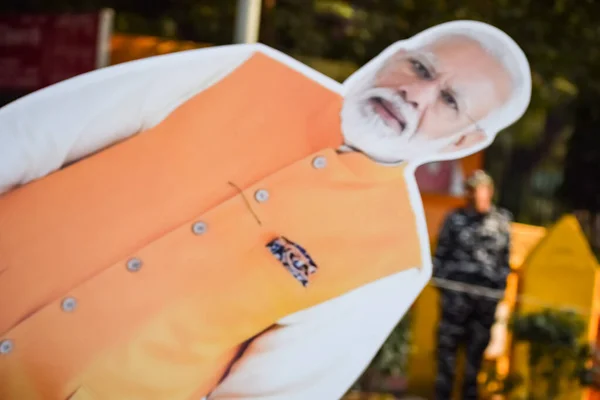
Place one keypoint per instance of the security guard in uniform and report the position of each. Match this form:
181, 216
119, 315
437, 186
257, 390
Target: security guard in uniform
473, 248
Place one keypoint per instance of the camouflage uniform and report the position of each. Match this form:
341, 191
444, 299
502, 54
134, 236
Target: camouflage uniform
472, 248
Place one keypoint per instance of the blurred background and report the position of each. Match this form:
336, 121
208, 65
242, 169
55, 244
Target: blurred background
546, 167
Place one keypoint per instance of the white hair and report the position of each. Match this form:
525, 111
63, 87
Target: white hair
492, 46
494, 41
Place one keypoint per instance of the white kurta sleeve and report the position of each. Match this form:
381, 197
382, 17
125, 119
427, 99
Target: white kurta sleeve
320, 352
41, 132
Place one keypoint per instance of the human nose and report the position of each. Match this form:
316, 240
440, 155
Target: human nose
419, 94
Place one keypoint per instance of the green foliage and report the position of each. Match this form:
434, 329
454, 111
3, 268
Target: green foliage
557, 354
339, 70
560, 329
391, 359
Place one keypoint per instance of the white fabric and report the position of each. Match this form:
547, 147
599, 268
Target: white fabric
320, 352
315, 354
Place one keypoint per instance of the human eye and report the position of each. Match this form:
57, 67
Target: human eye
449, 99
420, 69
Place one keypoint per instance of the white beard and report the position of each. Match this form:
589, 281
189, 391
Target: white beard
364, 130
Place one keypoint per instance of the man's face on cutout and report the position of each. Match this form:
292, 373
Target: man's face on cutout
424, 101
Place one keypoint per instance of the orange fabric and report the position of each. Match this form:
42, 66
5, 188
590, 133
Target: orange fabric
170, 330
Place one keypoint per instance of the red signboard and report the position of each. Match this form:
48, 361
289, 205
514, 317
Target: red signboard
39, 50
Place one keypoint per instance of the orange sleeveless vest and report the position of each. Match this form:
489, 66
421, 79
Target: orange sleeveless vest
137, 272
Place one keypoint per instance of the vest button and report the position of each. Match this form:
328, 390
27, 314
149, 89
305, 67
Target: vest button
261, 196
6, 346
319, 162
199, 228
68, 304
134, 265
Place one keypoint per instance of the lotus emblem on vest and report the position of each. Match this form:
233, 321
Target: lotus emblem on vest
294, 258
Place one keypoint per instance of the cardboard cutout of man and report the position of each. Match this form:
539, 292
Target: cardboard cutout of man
205, 223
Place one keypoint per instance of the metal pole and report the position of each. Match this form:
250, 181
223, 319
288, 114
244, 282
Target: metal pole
247, 22
105, 31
